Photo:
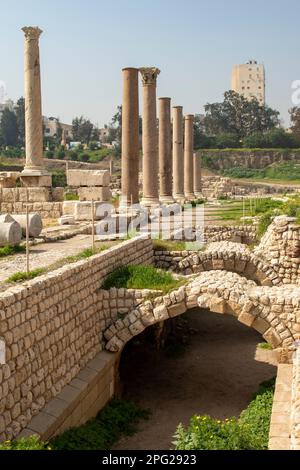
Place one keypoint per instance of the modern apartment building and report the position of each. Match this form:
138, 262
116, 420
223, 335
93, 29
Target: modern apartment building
249, 80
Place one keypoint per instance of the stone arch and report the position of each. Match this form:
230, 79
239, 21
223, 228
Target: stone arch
232, 257
224, 293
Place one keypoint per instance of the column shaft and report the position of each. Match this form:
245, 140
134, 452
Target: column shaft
130, 138
197, 176
188, 157
150, 138
178, 193
165, 151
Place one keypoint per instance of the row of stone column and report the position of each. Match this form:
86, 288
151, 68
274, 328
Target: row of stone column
170, 172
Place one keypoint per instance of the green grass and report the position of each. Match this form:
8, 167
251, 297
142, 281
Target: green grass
71, 197
169, 245
118, 418
24, 276
265, 346
286, 171
11, 250
141, 277
87, 253
248, 432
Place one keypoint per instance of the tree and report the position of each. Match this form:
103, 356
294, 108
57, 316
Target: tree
9, 128
82, 129
239, 116
295, 121
20, 112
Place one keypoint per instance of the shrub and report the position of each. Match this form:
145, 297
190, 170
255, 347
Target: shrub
59, 179
264, 222
73, 155
141, 277
61, 154
28, 443
83, 157
11, 250
224, 141
118, 418
49, 154
249, 432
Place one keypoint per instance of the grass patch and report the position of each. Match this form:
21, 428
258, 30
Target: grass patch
11, 250
24, 276
248, 432
141, 277
28, 443
169, 245
265, 346
71, 197
118, 418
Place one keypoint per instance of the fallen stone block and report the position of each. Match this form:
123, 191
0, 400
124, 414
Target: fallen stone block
80, 178
66, 220
10, 231
35, 224
98, 193
83, 210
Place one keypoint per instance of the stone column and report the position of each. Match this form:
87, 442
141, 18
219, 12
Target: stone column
197, 176
150, 137
178, 193
34, 173
130, 138
165, 151
188, 157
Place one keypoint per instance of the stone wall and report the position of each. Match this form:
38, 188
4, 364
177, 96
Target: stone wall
52, 326
222, 159
280, 247
241, 234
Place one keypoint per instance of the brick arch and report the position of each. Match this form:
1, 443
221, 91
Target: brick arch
219, 292
243, 262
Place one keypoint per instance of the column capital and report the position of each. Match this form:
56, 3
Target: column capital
32, 32
149, 75
188, 117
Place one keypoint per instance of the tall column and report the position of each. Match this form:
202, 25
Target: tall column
34, 173
197, 176
150, 137
178, 193
130, 137
188, 157
165, 151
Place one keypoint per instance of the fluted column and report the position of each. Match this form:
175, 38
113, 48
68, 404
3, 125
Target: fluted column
188, 157
34, 173
130, 138
150, 137
197, 176
178, 193
165, 151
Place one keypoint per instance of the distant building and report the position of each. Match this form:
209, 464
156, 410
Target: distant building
52, 125
103, 134
249, 80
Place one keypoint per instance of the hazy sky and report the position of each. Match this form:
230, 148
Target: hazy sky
195, 43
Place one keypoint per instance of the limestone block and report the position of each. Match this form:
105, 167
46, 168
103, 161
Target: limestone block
35, 224
80, 178
83, 210
94, 192
66, 220
9, 195
58, 194
68, 207
8, 179
32, 181
35, 194
10, 232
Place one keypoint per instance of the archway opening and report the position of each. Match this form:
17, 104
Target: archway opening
207, 366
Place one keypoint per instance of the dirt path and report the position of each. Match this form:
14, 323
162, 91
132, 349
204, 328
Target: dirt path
45, 254
216, 375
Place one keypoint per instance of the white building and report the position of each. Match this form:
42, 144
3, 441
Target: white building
52, 125
249, 80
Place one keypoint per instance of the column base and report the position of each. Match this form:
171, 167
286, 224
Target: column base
36, 178
166, 200
150, 202
180, 198
190, 197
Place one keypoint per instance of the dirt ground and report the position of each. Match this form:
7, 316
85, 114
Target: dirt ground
216, 375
